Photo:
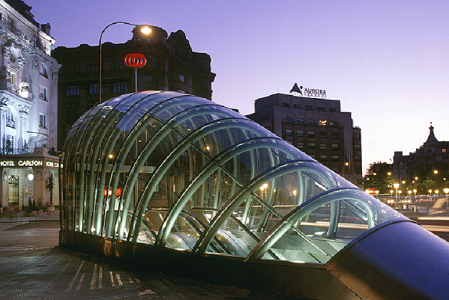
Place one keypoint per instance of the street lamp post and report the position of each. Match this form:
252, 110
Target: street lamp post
396, 185
146, 30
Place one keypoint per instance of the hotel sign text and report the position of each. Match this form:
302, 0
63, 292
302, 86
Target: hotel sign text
28, 163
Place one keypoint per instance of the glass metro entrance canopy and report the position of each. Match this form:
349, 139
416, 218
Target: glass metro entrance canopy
181, 172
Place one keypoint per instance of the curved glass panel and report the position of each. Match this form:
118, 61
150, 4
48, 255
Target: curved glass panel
178, 171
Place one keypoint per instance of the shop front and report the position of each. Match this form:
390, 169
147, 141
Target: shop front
29, 180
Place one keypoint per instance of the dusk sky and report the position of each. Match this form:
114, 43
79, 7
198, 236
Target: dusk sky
386, 61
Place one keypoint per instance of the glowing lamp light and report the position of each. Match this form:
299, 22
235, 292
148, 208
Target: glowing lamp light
145, 30
30, 177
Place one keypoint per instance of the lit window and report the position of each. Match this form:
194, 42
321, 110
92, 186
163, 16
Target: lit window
334, 123
322, 122
42, 121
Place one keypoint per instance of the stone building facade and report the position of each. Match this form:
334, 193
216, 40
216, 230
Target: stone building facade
171, 65
28, 105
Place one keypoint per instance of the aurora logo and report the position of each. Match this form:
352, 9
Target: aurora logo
308, 92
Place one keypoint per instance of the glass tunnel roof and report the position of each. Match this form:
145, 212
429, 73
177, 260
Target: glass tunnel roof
182, 172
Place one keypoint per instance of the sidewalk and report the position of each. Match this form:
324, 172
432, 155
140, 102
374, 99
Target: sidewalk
34, 266
25, 217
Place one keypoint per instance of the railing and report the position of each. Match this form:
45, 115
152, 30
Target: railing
7, 150
31, 41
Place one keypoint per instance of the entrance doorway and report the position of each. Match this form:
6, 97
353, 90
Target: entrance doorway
13, 190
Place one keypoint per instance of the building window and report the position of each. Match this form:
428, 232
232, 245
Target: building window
154, 83
154, 63
311, 145
335, 147
94, 68
323, 134
323, 147
308, 107
300, 145
335, 158
288, 120
290, 142
332, 109
300, 133
299, 121
73, 69
322, 122
120, 87
43, 121
10, 119
311, 134
443, 150
43, 71
323, 157
320, 108
357, 136
120, 65
297, 106
334, 123
357, 146
263, 118
288, 132
73, 90
94, 89
182, 77
285, 104
43, 93
335, 135
311, 122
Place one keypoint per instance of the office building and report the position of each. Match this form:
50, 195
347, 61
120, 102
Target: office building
316, 126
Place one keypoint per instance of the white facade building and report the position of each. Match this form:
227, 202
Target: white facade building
28, 106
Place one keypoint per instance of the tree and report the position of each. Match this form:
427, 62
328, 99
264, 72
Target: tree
380, 177
50, 186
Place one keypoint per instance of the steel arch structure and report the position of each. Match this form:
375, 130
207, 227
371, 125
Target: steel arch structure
178, 172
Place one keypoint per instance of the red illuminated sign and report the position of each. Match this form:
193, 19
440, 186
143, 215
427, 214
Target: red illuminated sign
118, 192
135, 60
